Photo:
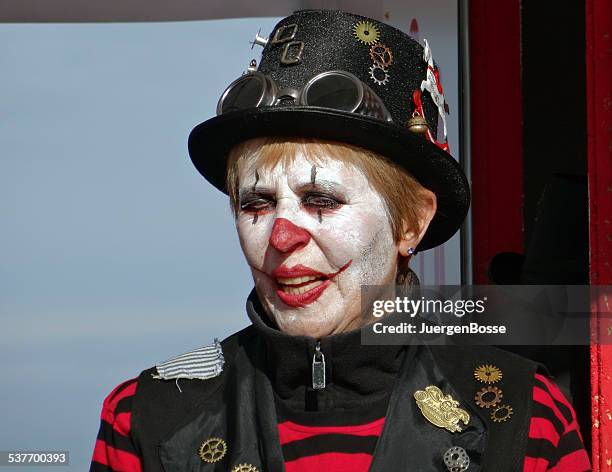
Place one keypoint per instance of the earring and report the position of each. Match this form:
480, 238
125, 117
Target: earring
411, 251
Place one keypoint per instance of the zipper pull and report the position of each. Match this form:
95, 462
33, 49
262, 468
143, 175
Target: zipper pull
318, 368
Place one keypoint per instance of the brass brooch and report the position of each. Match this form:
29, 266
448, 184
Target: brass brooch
439, 409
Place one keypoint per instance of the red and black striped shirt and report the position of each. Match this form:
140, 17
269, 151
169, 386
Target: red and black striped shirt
555, 443
115, 449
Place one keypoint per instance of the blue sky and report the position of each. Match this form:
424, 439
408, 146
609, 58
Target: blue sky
116, 253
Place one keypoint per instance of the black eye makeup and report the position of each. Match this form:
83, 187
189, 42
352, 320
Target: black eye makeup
254, 202
320, 197
320, 201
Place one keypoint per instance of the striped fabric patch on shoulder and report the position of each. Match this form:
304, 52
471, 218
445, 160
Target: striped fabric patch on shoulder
202, 363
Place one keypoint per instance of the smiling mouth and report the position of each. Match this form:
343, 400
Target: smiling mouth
299, 286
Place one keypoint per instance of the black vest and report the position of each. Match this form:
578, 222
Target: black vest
169, 425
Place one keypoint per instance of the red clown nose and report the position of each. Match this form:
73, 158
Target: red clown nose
287, 237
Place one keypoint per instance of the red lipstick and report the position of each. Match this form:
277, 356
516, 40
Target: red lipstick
303, 299
295, 271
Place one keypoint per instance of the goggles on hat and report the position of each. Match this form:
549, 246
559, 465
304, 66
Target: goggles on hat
335, 89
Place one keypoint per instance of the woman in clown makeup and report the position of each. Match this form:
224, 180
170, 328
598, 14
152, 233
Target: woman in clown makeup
327, 153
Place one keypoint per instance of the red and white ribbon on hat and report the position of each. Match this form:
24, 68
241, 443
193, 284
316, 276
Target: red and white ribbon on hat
433, 85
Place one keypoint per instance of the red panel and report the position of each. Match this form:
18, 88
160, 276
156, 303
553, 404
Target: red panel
599, 129
496, 127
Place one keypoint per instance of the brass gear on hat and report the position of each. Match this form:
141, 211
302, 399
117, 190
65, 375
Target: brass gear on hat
381, 55
366, 32
245, 468
502, 413
212, 450
482, 402
488, 374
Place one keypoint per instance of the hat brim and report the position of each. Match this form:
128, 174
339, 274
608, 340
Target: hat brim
211, 141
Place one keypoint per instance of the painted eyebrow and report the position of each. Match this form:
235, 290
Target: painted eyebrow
323, 186
252, 190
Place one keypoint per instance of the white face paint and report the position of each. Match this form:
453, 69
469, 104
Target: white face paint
350, 242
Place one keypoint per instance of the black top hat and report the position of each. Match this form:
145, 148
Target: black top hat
383, 94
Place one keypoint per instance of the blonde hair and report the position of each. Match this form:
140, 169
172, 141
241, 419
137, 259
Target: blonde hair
402, 193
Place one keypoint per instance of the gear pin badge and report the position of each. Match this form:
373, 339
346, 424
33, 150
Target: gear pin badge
488, 374
212, 450
490, 397
245, 468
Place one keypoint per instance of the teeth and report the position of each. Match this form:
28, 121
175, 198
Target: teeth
303, 289
296, 280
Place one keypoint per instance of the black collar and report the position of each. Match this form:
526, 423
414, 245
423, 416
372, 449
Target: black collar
355, 374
